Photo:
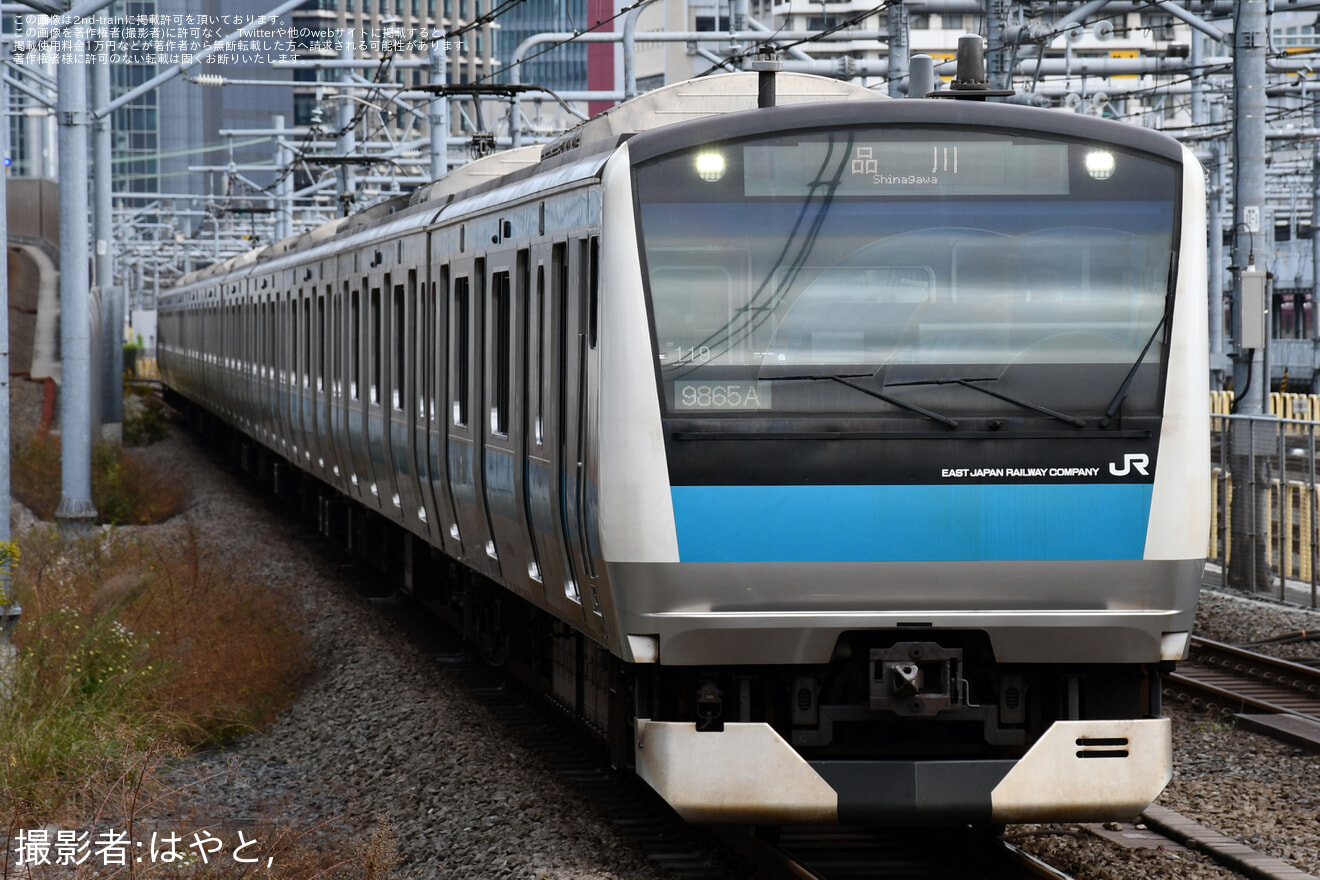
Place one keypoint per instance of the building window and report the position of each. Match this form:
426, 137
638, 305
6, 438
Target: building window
708, 23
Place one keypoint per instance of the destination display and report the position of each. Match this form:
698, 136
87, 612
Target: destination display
847, 167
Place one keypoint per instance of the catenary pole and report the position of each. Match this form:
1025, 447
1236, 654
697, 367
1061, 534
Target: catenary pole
112, 302
898, 51
438, 109
4, 343
1252, 233
76, 510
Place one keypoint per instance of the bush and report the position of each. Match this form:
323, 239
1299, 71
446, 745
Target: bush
146, 417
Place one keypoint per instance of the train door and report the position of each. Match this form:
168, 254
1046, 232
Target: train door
359, 451
576, 341
540, 438
260, 384
293, 387
402, 419
324, 453
267, 389
306, 416
467, 403
372, 464
446, 532
297, 391
339, 382
251, 339
502, 460
422, 405
377, 406
284, 340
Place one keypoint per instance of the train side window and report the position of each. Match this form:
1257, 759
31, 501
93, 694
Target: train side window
401, 348
268, 346
460, 345
375, 342
439, 290
559, 287
354, 345
307, 342
538, 424
421, 311
593, 291
321, 340
270, 338
291, 333
281, 340
501, 352
521, 306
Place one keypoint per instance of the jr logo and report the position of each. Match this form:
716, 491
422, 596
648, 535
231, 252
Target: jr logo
1131, 461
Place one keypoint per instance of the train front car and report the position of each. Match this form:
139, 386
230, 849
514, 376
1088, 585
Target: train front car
903, 449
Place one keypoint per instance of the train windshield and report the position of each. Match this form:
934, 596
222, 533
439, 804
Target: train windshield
872, 270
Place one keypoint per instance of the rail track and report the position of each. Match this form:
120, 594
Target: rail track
1237, 680
843, 853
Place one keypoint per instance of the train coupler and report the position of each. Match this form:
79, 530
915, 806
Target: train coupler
917, 678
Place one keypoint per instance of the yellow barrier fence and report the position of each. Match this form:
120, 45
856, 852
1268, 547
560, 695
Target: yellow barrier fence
1221, 483
1286, 446
1289, 528
145, 368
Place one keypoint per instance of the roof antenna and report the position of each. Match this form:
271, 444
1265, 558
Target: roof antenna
970, 82
766, 64
921, 76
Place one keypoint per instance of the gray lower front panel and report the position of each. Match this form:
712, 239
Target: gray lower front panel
913, 792
1075, 612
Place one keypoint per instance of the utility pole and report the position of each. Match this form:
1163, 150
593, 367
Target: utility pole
346, 143
282, 198
5, 560
76, 511
1250, 229
438, 109
999, 54
1252, 232
897, 23
112, 296
1215, 271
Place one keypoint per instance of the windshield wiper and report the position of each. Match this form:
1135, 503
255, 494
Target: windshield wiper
1131, 374
966, 382
878, 395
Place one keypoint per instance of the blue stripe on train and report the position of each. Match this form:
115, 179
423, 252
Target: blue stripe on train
966, 522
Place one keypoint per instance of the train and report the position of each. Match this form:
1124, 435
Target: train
840, 461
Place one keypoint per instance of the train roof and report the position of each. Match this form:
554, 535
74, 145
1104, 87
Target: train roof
699, 98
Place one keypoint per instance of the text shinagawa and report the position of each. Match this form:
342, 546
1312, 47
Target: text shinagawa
904, 179
1021, 472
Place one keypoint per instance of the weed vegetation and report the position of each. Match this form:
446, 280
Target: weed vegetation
146, 417
131, 651
129, 486
135, 647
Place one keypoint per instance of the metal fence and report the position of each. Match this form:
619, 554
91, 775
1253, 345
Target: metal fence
1264, 534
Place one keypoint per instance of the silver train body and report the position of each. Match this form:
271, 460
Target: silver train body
867, 437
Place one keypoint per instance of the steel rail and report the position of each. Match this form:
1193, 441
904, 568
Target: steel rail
1244, 680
